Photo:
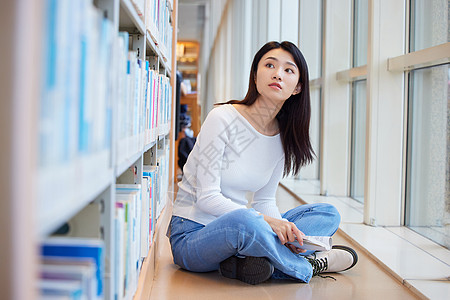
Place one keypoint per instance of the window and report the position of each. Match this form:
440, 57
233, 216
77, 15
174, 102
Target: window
358, 115
428, 202
358, 140
429, 23
310, 39
310, 43
428, 163
360, 32
313, 170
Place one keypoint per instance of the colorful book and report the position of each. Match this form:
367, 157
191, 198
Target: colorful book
78, 248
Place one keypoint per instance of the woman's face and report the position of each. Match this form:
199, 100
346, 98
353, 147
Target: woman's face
277, 76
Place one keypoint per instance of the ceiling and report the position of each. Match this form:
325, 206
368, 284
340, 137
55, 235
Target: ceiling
191, 18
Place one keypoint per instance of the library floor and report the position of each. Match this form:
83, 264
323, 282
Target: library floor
367, 280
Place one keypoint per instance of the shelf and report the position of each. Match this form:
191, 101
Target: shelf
129, 18
61, 192
65, 190
145, 283
158, 49
125, 164
148, 146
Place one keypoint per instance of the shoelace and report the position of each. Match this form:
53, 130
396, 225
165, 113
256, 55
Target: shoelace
319, 265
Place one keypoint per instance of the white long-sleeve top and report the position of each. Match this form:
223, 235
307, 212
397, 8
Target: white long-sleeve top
229, 159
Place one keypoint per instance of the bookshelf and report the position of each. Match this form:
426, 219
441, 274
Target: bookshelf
88, 123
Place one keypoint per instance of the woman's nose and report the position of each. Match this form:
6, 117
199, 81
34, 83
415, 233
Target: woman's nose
276, 75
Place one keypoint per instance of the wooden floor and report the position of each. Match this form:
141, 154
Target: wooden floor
367, 280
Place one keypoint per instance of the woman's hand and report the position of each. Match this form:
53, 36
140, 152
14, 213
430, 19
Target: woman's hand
286, 232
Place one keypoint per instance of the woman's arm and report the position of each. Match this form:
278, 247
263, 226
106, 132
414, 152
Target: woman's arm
205, 165
264, 201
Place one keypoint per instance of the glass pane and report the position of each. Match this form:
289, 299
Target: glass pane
311, 171
428, 186
360, 32
429, 23
310, 40
358, 140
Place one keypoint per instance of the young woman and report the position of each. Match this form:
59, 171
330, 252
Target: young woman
247, 146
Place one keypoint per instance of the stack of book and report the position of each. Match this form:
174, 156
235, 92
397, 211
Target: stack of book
137, 207
149, 182
144, 106
157, 101
100, 96
135, 216
160, 24
76, 106
89, 72
162, 180
128, 237
71, 268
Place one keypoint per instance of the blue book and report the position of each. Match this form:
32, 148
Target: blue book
60, 289
78, 248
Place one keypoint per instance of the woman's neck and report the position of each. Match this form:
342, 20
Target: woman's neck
262, 115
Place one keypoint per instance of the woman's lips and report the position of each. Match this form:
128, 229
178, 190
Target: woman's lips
275, 85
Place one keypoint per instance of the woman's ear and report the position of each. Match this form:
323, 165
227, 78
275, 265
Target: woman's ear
298, 89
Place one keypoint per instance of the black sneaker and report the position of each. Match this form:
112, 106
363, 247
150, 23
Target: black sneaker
249, 269
339, 258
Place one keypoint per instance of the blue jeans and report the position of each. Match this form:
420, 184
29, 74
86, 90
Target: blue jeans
243, 232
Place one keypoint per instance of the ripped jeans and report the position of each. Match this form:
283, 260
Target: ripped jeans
243, 232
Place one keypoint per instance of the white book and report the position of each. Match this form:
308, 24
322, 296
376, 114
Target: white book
126, 201
317, 243
154, 99
137, 97
132, 57
148, 105
132, 192
145, 217
120, 246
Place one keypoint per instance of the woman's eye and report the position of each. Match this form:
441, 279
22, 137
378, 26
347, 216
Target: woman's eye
290, 71
269, 65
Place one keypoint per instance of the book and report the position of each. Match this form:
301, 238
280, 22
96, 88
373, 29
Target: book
145, 217
67, 270
317, 243
119, 244
130, 196
60, 289
77, 248
153, 173
124, 204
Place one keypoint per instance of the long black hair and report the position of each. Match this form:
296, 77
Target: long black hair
295, 114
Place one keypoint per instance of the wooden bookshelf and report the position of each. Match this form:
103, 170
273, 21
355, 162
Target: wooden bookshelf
37, 198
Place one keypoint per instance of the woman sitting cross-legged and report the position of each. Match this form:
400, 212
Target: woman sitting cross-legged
247, 146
